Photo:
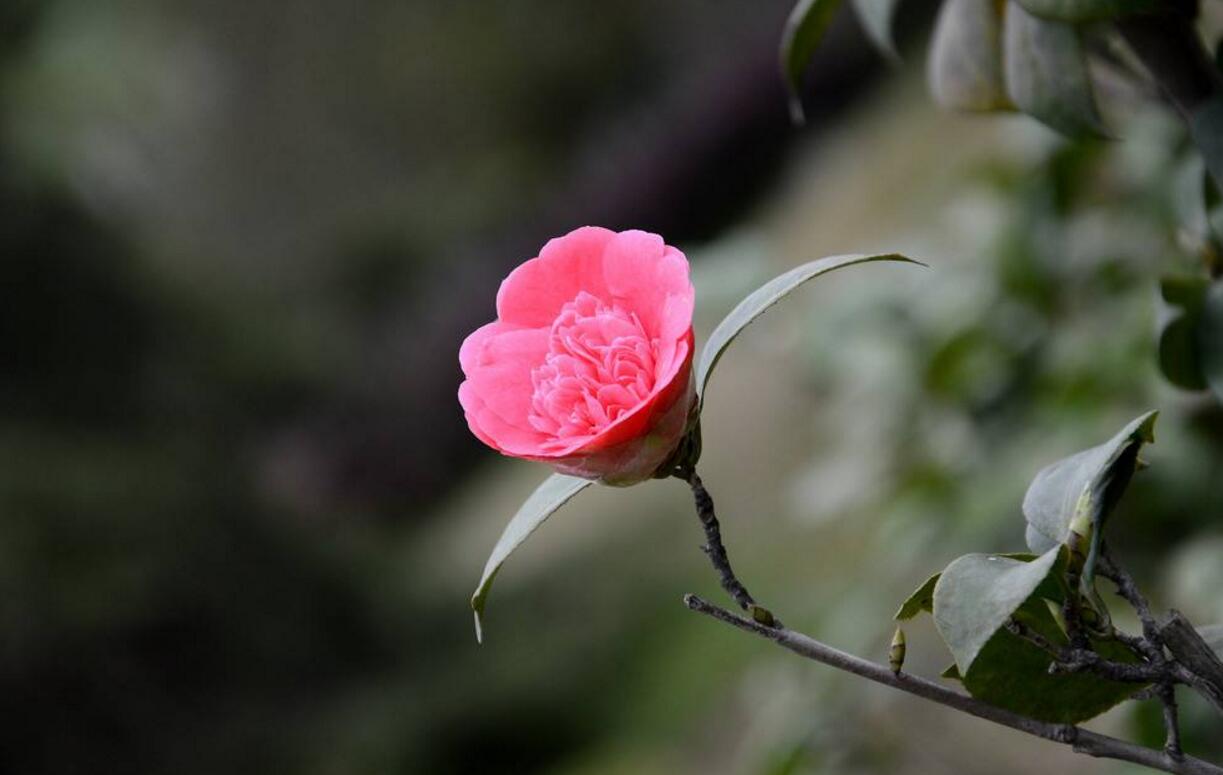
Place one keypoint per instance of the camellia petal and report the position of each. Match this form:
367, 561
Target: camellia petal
533, 294
502, 376
642, 271
487, 426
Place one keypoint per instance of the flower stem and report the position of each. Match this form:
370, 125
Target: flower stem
713, 542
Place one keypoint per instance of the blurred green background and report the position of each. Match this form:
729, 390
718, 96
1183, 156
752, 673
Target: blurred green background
241, 515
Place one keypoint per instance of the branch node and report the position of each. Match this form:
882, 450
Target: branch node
761, 615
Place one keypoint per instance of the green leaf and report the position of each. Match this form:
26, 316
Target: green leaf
1210, 339
1100, 473
1079, 11
1046, 72
921, 600
803, 32
1213, 635
766, 296
876, 17
976, 595
1011, 673
1206, 126
952, 671
973, 600
965, 68
547, 498
1180, 357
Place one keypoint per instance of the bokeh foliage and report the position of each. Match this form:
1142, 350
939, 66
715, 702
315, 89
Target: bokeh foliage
169, 601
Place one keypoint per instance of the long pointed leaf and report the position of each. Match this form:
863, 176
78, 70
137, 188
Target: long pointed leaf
547, 498
766, 296
804, 30
1099, 474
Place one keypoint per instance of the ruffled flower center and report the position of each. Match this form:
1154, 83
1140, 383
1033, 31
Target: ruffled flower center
600, 365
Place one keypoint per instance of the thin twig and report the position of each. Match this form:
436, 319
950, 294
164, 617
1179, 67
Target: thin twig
1082, 660
713, 541
1081, 740
1128, 589
1137, 644
1172, 743
1192, 663
1078, 660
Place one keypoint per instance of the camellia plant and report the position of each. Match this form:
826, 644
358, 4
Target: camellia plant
591, 368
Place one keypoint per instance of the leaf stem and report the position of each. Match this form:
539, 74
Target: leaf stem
1081, 740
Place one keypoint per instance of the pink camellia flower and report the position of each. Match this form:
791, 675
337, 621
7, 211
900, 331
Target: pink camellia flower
588, 366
